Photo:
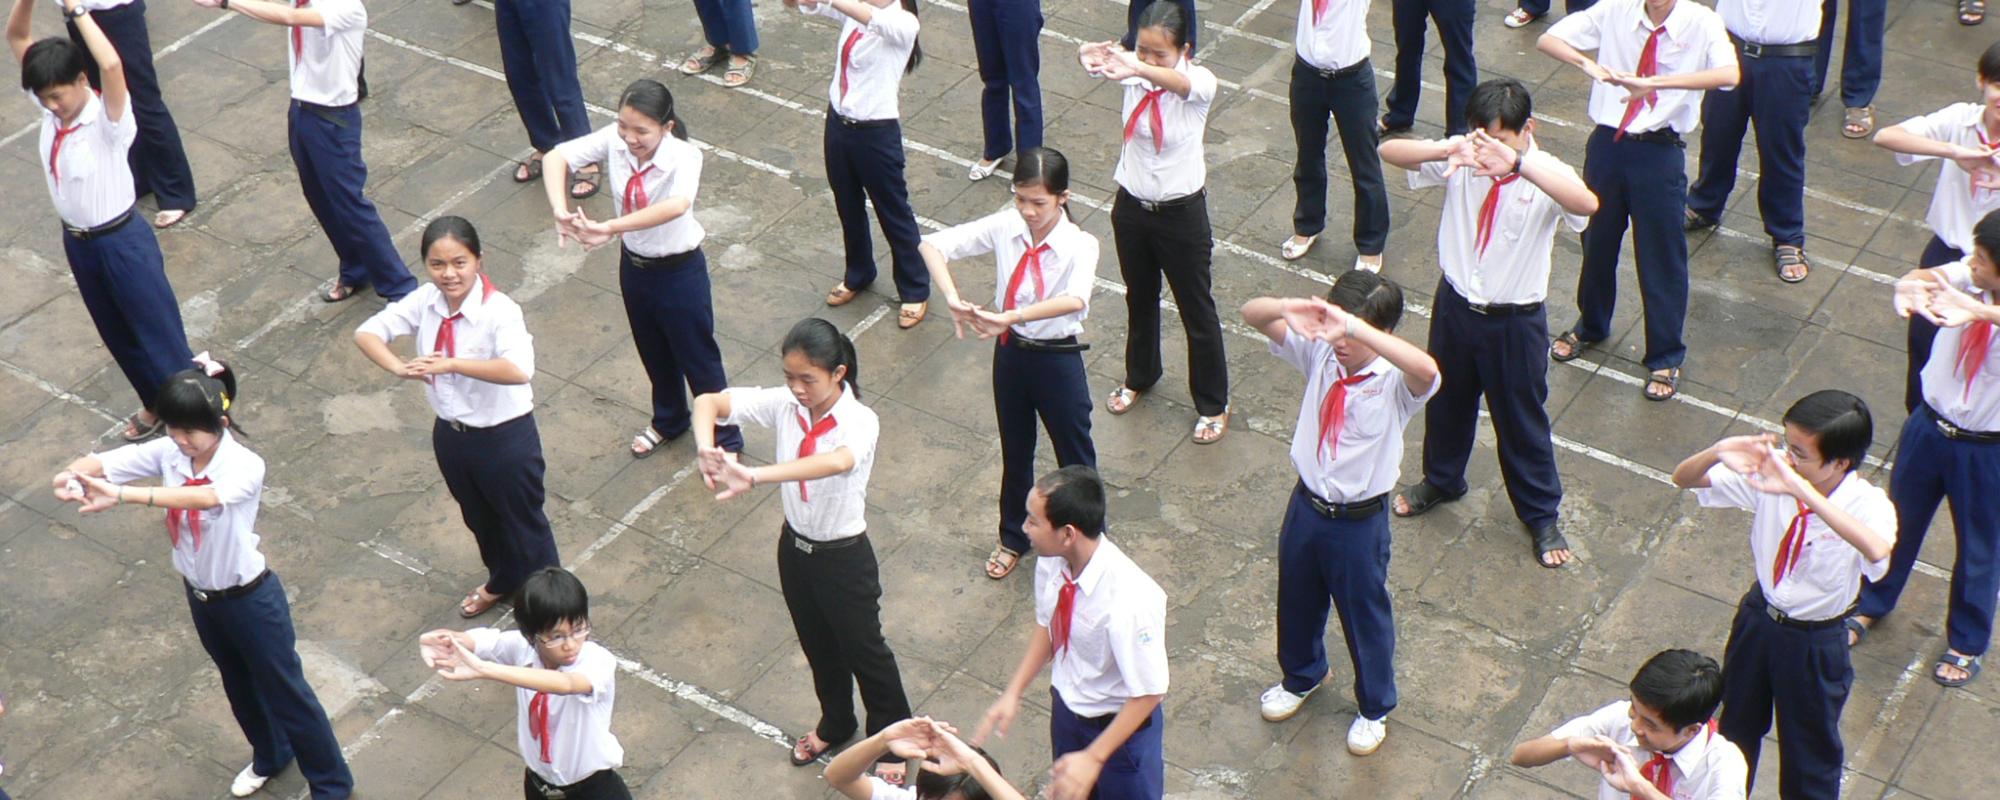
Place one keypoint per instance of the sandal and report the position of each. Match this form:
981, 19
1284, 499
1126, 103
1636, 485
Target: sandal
1790, 259
169, 217
1519, 18
477, 602
803, 751
698, 63
338, 293
1971, 12
1001, 562
1211, 427
1692, 222
982, 168
528, 171
841, 295
136, 430
1386, 130
739, 74
1293, 249
1856, 628
1669, 377
1421, 498
1950, 659
1122, 399
1861, 121
1549, 540
1574, 343
583, 179
910, 314
646, 442
892, 772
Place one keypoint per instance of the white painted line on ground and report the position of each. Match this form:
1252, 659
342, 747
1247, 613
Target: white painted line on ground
707, 702
1817, 261
163, 53
57, 392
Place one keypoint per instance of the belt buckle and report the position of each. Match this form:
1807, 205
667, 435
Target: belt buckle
1753, 49
1949, 430
553, 793
801, 543
1773, 612
1482, 309
200, 595
1149, 205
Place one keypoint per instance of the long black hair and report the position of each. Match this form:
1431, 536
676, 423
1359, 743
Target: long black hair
651, 98
1167, 17
458, 229
192, 399
825, 347
916, 44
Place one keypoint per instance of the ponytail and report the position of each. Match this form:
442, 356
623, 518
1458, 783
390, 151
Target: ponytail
916, 44
201, 399
824, 346
651, 98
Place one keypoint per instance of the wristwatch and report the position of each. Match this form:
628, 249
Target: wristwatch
76, 12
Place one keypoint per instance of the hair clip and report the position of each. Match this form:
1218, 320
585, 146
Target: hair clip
209, 366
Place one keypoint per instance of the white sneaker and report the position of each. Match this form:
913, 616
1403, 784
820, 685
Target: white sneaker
1366, 735
1279, 703
247, 782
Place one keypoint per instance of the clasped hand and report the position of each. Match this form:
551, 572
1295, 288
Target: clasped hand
579, 227
984, 323
1758, 459
719, 467
89, 492
1933, 297
1107, 60
1486, 156
1315, 318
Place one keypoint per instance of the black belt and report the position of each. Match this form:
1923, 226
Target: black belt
464, 428
1755, 599
658, 262
810, 546
1661, 136
859, 123
1157, 206
1359, 509
108, 228
1756, 50
1330, 74
1958, 434
323, 109
1067, 344
1103, 721
1504, 309
550, 791
231, 593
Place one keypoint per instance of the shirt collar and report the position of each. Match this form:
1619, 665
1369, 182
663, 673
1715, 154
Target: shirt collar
839, 411
1333, 369
1689, 758
93, 110
472, 307
184, 466
1677, 22
1100, 563
1058, 239
659, 158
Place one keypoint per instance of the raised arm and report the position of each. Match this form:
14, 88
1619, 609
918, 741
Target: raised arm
19, 34
110, 70
1566, 53
1413, 154
274, 13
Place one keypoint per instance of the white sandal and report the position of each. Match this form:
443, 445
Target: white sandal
981, 169
1217, 425
1124, 396
1519, 18
650, 438
1292, 250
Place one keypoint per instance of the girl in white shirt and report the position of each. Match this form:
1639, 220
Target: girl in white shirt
952, 769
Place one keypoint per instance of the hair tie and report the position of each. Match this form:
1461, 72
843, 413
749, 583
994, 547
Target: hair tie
225, 401
209, 366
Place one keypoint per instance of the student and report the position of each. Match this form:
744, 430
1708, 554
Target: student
210, 486
1135, 10
1461, 71
324, 123
1773, 39
1963, 136
1159, 220
475, 373
728, 27
539, 59
1861, 57
864, 145
157, 160
952, 769
1362, 387
1950, 448
662, 272
1654, 59
564, 687
1333, 76
1046, 267
1006, 42
118, 267
1101, 628
1491, 327
1818, 530
1659, 745
1530, 10
826, 563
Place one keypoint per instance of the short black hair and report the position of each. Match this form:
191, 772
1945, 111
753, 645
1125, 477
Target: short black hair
551, 597
1683, 685
1502, 100
1840, 421
1168, 17
1986, 235
1378, 301
932, 786
52, 61
1989, 64
1074, 495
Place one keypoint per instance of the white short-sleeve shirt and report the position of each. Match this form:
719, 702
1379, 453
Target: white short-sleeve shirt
1708, 767
1956, 205
580, 739
1695, 40
875, 63
673, 171
1118, 631
1974, 407
1160, 171
1771, 21
1069, 267
834, 507
226, 554
90, 181
327, 71
1828, 574
1370, 451
1514, 267
1338, 39
492, 327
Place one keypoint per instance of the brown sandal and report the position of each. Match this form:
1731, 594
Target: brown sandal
1858, 123
1671, 380
477, 602
999, 569
841, 295
912, 313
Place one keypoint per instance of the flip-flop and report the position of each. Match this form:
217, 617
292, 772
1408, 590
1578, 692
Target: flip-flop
475, 603
997, 570
1121, 399
1671, 380
1548, 540
892, 772
651, 438
1968, 663
1215, 426
137, 431
1859, 629
1971, 12
169, 217
1423, 497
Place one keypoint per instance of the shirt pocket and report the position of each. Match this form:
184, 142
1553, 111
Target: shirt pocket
1369, 411
1514, 216
77, 162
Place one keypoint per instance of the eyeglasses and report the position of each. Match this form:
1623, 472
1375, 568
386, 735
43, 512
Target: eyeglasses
580, 634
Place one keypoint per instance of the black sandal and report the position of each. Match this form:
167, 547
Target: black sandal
1548, 540
589, 179
1575, 343
1423, 497
815, 754
528, 171
1671, 380
339, 293
1790, 256
1971, 12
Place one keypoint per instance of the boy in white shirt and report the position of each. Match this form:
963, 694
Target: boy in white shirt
1659, 745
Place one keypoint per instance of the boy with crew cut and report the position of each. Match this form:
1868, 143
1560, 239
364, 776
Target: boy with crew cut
1660, 744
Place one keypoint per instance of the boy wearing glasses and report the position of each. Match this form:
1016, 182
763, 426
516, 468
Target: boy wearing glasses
563, 681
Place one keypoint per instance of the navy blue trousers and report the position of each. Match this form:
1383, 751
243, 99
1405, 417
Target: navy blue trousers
1006, 38
728, 25
1350, 100
1138, 7
865, 164
1929, 469
1461, 72
1541, 7
495, 474
1922, 332
673, 326
159, 162
1137, 770
540, 60
251, 641
1803, 676
1504, 360
1861, 59
1774, 99
1641, 184
1345, 561
326, 147
123, 281
1028, 385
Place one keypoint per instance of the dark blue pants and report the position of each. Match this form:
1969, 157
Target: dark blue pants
1350, 100
326, 147
1861, 59
1027, 385
495, 474
1931, 468
1643, 184
1503, 359
866, 164
1541, 7
728, 25
159, 162
1138, 7
673, 326
1006, 39
251, 641
1347, 562
1802, 675
124, 286
1137, 770
540, 60
1454, 22
1773, 98
1922, 332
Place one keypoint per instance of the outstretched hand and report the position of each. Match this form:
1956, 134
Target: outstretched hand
1315, 318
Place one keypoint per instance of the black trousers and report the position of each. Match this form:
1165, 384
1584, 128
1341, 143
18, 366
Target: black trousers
1461, 71
1350, 100
1503, 359
1175, 243
1804, 676
1922, 332
604, 784
495, 474
835, 596
159, 162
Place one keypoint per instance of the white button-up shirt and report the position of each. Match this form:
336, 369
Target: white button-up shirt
1515, 266
1695, 40
1974, 408
1955, 205
1708, 767
1370, 452
834, 507
103, 5
328, 72
491, 327
1771, 21
226, 556
675, 172
1173, 169
580, 739
95, 183
1340, 38
1117, 636
1828, 574
875, 65
1069, 267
